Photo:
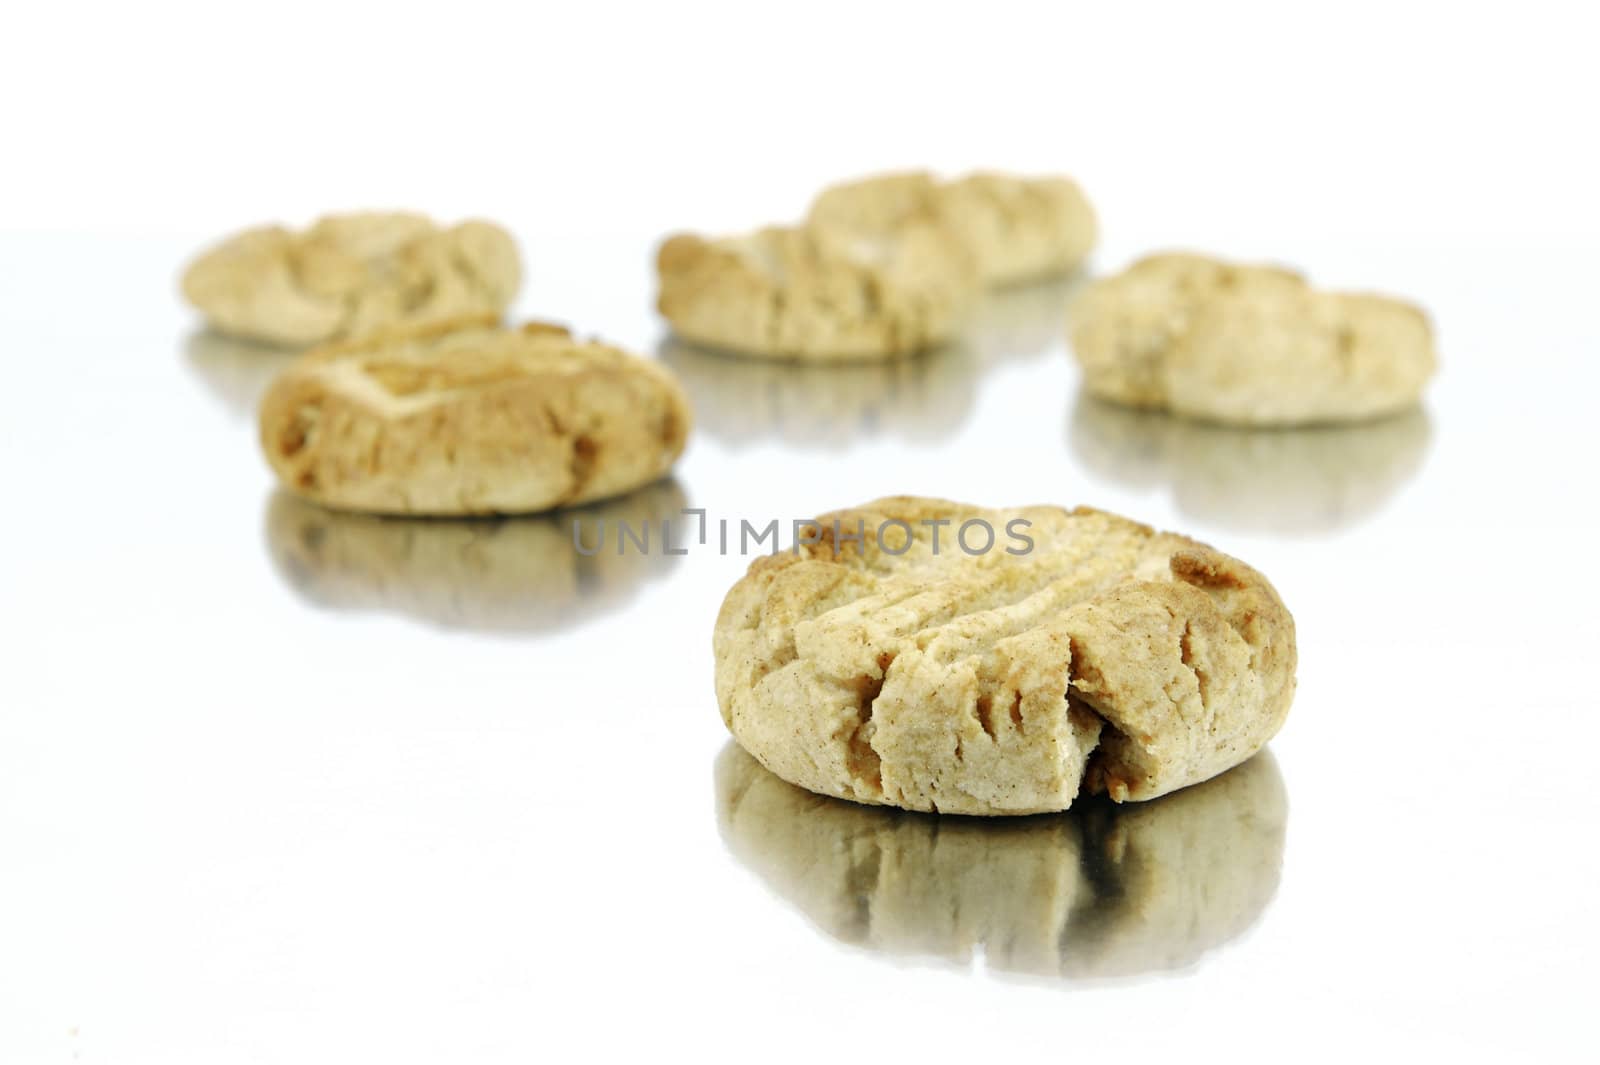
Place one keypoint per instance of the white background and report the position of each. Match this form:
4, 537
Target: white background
251, 814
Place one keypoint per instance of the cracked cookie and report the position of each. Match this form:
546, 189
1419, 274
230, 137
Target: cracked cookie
882, 662
804, 293
1016, 229
1247, 345
350, 274
467, 417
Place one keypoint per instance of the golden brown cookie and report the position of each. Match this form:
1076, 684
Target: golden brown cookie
940, 657
350, 274
1247, 345
1016, 229
802, 293
1104, 891
470, 418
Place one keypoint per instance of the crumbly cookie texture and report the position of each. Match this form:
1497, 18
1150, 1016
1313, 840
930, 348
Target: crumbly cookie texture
466, 417
1105, 891
1108, 658
351, 274
804, 293
1017, 229
1248, 345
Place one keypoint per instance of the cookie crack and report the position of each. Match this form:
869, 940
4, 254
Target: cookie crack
1186, 655
862, 761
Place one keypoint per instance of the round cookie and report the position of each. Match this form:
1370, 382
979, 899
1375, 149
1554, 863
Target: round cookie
1247, 345
469, 418
803, 293
880, 661
1016, 229
1104, 891
350, 274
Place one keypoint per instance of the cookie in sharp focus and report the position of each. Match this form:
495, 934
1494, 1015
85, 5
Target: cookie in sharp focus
350, 274
468, 417
1017, 229
890, 660
802, 293
1248, 345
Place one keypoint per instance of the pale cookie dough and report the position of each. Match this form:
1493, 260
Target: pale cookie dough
1105, 891
350, 274
470, 418
1107, 658
1017, 229
1247, 345
800, 293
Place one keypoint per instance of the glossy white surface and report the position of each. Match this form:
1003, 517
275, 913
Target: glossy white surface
281, 786
272, 779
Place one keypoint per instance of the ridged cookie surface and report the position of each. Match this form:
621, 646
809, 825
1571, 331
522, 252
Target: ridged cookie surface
801, 293
1105, 657
470, 418
1247, 345
1016, 229
351, 274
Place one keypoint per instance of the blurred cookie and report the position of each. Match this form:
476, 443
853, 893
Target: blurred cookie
470, 418
1102, 892
1247, 345
801, 293
1016, 229
350, 274
933, 656
517, 574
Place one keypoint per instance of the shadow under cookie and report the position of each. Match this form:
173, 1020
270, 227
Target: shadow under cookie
1279, 481
480, 574
236, 371
1100, 892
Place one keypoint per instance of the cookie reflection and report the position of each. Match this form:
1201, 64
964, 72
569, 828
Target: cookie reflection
1102, 891
741, 401
236, 371
483, 574
1023, 321
920, 398
1281, 481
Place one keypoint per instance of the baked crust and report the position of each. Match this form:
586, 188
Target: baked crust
466, 417
1110, 658
351, 274
1017, 229
1247, 345
805, 293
